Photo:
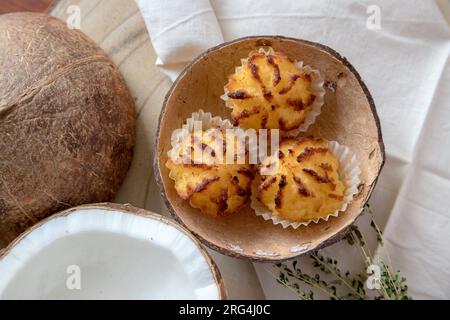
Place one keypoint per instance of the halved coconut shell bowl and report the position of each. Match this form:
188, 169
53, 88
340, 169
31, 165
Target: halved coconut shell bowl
348, 117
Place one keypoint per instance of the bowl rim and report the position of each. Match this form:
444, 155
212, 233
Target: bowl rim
232, 253
128, 209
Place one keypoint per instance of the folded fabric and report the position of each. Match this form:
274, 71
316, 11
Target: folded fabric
401, 49
418, 232
180, 30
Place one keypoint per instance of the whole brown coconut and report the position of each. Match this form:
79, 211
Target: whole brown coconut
67, 122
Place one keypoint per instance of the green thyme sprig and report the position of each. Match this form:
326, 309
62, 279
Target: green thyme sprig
345, 285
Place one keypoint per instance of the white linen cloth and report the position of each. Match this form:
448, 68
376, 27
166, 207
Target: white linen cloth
180, 30
405, 65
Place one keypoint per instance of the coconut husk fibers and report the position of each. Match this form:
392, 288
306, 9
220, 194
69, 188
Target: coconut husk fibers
67, 121
348, 117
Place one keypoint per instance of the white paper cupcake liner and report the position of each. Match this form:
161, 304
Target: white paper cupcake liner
317, 89
349, 172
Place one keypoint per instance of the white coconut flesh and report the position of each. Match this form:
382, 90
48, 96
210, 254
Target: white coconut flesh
104, 254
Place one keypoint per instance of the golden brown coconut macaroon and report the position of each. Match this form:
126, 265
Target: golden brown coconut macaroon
208, 183
271, 91
306, 184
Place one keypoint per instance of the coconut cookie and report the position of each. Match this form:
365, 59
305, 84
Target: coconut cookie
271, 91
202, 177
304, 184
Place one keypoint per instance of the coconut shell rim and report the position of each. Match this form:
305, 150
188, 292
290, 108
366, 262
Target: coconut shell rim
338, 236
128, 209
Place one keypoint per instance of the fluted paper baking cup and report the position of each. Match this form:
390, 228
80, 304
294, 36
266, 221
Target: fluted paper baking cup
349, 173
317, 89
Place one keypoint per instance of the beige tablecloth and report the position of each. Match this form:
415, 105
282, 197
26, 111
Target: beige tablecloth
404, 63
